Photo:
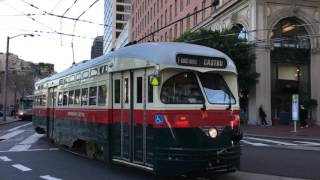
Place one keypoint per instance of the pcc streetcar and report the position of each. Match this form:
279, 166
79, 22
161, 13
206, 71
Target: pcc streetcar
169, 108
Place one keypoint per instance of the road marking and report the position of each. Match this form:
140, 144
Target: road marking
308, 143
31, 150
32, 139
12, 134
271, 141
21, 167
5, 159
20, 147
254, 144
48, 177
18, 127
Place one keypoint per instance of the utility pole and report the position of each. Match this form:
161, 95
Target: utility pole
5, 84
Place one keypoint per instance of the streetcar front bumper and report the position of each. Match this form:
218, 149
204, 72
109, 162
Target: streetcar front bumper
182, 161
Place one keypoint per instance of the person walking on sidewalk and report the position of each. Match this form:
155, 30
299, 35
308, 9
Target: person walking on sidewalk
262, 116
303, 113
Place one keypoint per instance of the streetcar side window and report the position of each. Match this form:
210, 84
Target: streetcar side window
60, 97
65, 98
139, 89
117, 91
93, 96
150, 90
84, 96
94, 72
102, 95
85, 74
44, 100
77, 96
71, 97
182, 89
126, 90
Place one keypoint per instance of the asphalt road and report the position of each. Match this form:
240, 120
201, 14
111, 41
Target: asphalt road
26, 156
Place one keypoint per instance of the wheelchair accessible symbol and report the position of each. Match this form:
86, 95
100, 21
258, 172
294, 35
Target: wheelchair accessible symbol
158, 119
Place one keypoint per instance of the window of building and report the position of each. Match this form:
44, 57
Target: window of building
165, 17
170, 13
93, 96
203, 11
181, 5
195, 16
170, 34
181, 27
77, 96
175, 34
188, 2
139, 89
117, 91
84, 96
71, 97
188, 22
102, 95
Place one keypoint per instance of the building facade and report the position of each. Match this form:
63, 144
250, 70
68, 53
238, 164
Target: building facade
286, 34
21, 77
97, 47
116, 16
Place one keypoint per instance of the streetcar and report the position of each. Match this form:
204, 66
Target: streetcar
169, 108
25, 108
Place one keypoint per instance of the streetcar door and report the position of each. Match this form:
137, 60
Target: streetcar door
139, 120
51, 107
127, 115
117, 116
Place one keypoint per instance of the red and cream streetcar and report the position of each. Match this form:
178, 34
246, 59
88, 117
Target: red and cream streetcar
170, 108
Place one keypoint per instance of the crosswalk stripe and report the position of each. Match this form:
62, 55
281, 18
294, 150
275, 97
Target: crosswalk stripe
5, 159
18, 127
32, 139
20, 147
271, 141
308, 143
21, 167
12, 134
48, 177
254, 144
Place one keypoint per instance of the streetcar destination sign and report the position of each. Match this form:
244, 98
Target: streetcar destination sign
201, 61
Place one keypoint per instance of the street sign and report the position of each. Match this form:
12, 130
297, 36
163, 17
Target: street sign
295, 107
295, 110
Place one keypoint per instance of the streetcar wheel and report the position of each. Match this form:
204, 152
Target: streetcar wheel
91, 150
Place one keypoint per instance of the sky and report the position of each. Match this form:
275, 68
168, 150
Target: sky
48, 46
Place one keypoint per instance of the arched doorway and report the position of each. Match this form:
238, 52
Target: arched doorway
290, 66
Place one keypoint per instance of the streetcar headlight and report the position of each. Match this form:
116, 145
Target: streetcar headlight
20, 113
213, 132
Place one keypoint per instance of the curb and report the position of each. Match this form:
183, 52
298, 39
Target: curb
281, 137
8, 122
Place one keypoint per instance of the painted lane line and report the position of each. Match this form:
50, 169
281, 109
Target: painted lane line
271, 141
18, 127
12, 134
254, 144
5, 159
32, 150
32, 139
308, 143
48, 177
21, 167
20, 147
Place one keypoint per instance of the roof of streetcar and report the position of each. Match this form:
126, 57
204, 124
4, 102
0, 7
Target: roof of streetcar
163, 53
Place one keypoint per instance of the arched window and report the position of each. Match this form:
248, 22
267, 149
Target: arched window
241, 31
289, 32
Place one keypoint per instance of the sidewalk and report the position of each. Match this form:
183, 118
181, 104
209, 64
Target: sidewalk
10, 119
282, 131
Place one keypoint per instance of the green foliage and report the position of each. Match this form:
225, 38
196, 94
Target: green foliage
238, 50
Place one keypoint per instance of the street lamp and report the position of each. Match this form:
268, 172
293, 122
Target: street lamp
5, 81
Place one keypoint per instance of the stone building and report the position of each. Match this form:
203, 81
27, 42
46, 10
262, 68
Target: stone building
286, 34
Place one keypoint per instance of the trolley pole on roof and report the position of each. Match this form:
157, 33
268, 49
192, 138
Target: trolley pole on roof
5, 80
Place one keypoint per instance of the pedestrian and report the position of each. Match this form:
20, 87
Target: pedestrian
303, 113
262, 116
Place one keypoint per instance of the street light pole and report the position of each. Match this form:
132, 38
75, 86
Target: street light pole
5, 81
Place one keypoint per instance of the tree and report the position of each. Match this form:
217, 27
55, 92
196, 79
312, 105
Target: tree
237, 49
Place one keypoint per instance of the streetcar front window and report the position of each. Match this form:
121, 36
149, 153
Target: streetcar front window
216, 89
182, 89
27, 104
